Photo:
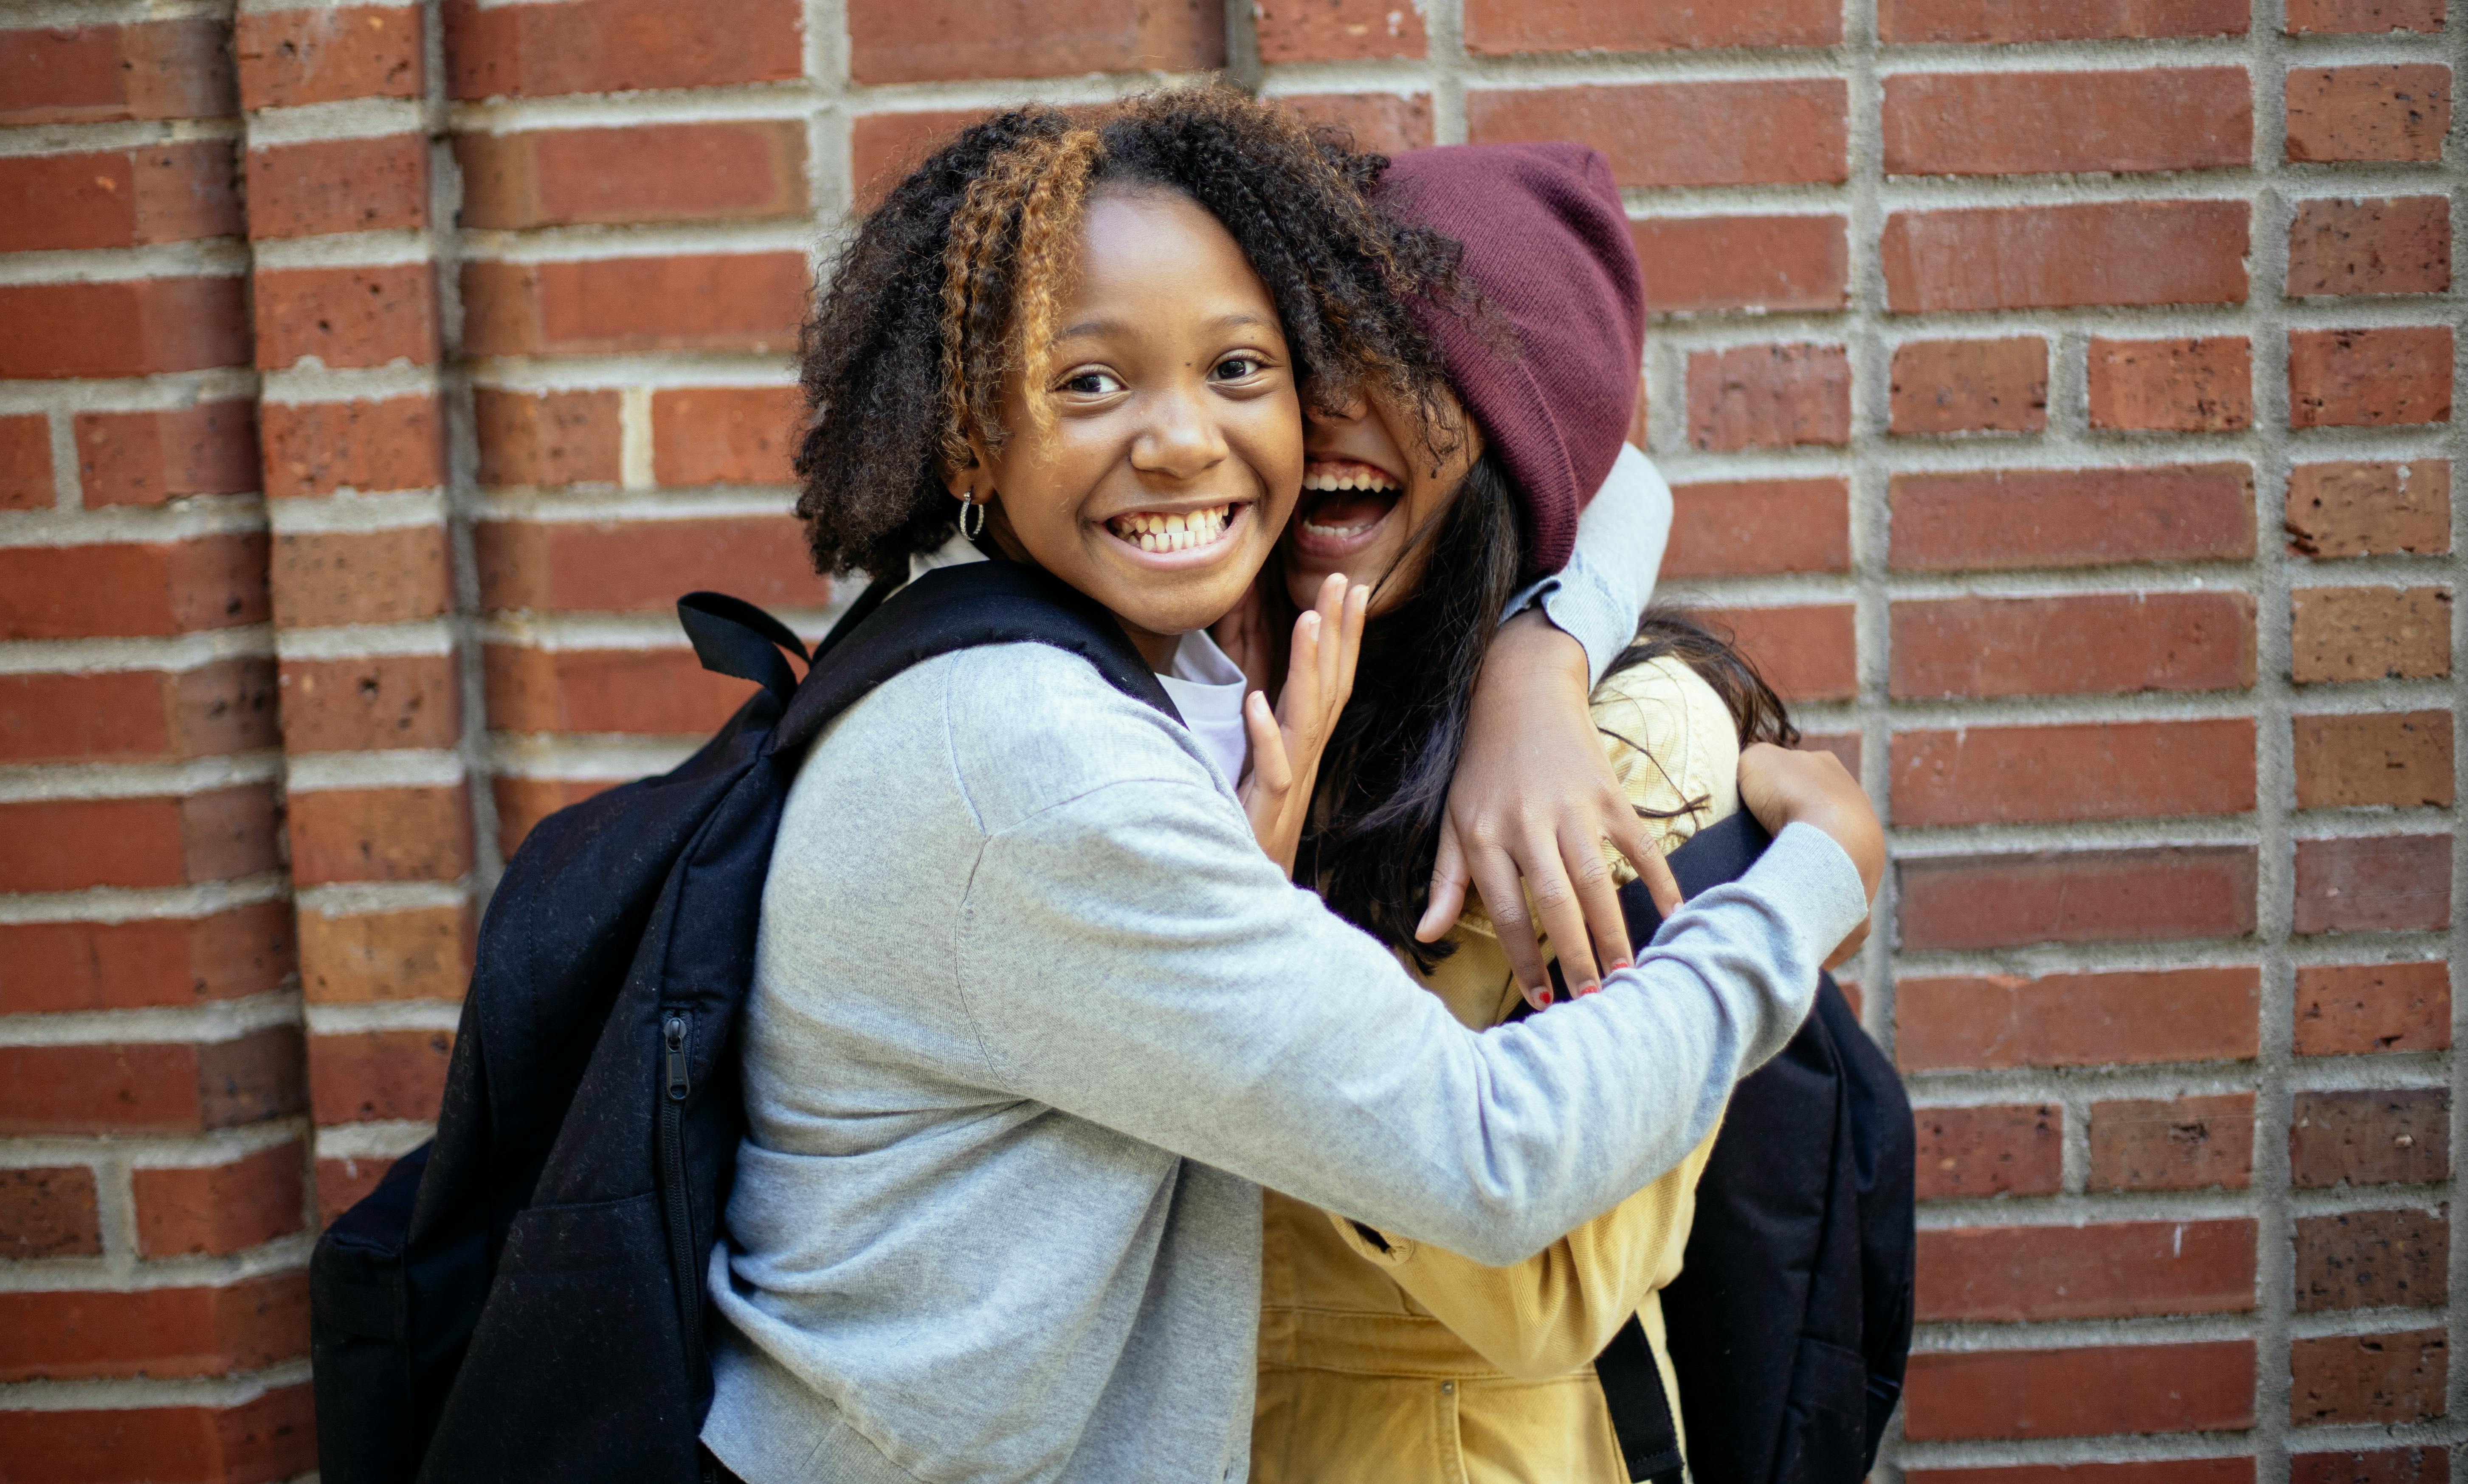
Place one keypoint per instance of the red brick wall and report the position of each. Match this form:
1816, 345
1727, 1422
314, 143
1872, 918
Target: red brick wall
2058, 394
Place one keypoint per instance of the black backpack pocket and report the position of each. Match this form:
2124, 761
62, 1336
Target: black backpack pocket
360, 1335
1824, 1415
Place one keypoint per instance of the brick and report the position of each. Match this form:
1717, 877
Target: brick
222, 1209
26, 463
1973, 1152
2362, 16
2004, 519
1774, 264
2391, 1465
323, 56
122, 327
72, 592
934, 40
2199, 385
360, 577
2104, 1270
1496, 26
172, 69
2369, 377
2137, 895
2349, 1009
2098, 643
522, 802
146, 458
172, 193
2372, 1260
2369, 245
1768, 132
616, 46
659, 692
1807, 653
2358, 508
2171, 1470
2050, 256
73, 844
342, 1183
338, 185
376, 1075
365, 957
2400, 1136
343, 317
137, 715
1911, 22
1336, 31
2031, 123
49, 1212
1744, 527
374, 702
1769, 396
1969, 386
547, 438
157, 1088
1388, 123
1993, 1021
366, 446
2392, 112
408, 833
702, 302
2080, 1392
2398, 761
725, 434
2373, 883
2369, 633
272, 1437
2172, 1143
2088, 771
51, 967
2367, 1378
737, 170
80, 1333
643, 564
885, 146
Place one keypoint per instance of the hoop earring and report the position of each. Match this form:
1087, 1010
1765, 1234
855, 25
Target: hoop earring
970, 507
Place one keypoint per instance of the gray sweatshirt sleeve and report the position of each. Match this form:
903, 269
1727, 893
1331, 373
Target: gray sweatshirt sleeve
1128, 955
1609, 581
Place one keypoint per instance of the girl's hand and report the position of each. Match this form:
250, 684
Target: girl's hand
1533, 799
1286, 746
1780, 786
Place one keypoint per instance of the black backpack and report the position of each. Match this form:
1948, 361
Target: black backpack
523, 1297
1791, 1321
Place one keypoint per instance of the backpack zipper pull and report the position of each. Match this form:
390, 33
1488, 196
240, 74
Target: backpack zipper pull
672, 1033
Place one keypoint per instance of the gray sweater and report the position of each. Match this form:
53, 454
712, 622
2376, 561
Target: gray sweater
1033, 1021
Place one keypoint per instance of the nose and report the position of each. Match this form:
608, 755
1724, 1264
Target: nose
1181, 439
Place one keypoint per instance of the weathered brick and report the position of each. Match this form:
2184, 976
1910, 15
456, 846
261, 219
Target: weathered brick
1969, 1152
2394, 111
2390, 1465
2373, 883
2399, 1137
338, 185
2362, 16
271, 1437
2199, 385
26, 463
2134, 895
2369, 245
1767, 132
79, 1334
221, 1209
733, 170
2026, 123
1807, 653
342, 1183
2075, 1020
72, 592
409, 834
885, 146
134, 714
2369, 633
1774, 264
122, 327
2361, 508
172, 193
704, 302
1336, 31
145, 961
1493, 27
323, 56
170, 69
49, 1212
1969, 386
2367, 1378
522, 802
660, 692
326, 448
2104, 1270
173, 1087
2172, 1143
2047, 257
2167, 1471
146, 458
73, 844
2002, 519
2369, 377
362, 957
2372, 1260
725, 434
1737, 528
395, 576
1769, 396
2084, 770
342, 317
547, 438
1988, 647
373, 701
642, 565
2080, 1391
616, 46
2345, 1008
934, 41
2398, 760
374, 1075
1911, 22
1390, 123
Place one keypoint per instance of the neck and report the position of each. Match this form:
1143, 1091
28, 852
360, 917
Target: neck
1155, 648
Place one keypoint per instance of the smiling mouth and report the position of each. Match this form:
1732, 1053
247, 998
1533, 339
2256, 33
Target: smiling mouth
1176, 531
1343, 498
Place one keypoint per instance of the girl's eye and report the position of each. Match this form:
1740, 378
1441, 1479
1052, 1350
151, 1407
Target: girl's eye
1092, 383
1234, 368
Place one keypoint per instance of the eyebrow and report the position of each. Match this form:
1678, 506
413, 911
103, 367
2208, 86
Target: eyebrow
1235, 320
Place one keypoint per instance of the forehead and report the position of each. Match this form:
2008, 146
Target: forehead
1159, 245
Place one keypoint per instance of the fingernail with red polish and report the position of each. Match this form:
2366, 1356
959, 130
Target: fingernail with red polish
1585, 990
1542, 998
1622, 963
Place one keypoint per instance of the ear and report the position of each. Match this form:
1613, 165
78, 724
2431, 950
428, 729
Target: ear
974, 480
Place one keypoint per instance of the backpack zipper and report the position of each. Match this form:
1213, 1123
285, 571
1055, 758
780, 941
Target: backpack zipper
674, 1034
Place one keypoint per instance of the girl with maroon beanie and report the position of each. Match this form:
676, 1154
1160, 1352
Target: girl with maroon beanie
1383, 1358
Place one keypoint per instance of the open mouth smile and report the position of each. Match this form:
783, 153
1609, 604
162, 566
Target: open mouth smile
1165, 533
1344, 500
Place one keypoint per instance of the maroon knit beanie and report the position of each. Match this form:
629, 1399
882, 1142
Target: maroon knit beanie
1547, 246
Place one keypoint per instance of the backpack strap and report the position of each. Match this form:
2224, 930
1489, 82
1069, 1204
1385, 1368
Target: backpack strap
961, 608
734, 637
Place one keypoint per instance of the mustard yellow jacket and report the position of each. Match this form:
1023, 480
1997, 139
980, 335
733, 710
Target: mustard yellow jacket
1387, 1361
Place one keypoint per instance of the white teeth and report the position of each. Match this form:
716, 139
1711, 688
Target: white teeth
1177, 531
1357, 479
